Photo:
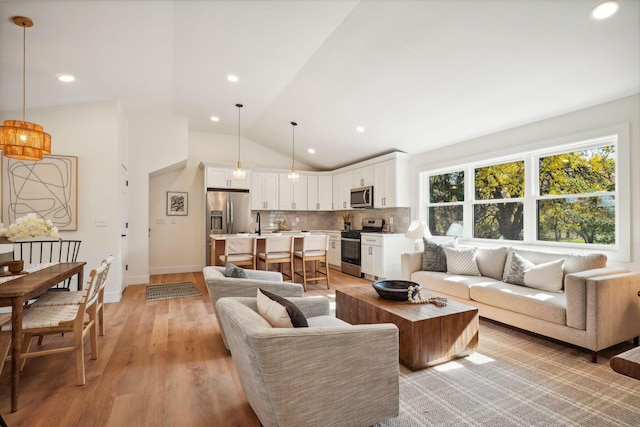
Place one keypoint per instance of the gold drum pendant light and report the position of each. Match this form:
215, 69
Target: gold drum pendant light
293, 176
239, 173
20, 139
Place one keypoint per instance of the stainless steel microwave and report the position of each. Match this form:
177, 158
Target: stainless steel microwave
362, 197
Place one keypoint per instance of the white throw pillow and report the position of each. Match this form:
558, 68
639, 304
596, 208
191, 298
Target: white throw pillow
274, 313
462, 261
546, 276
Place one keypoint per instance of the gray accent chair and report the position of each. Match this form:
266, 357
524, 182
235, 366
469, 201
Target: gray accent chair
220, 286
329, 374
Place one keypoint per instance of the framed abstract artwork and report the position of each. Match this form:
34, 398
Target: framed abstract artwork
177, 203
48, 188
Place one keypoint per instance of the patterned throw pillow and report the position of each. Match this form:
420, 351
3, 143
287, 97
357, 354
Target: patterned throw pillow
232, 270
462, 261
280, 312
434, 258
547, 276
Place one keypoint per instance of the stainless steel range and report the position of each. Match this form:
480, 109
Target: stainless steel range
350, 244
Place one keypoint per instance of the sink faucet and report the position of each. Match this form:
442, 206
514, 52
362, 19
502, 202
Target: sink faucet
258, 220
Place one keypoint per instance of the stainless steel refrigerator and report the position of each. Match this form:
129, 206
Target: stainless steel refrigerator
227, 212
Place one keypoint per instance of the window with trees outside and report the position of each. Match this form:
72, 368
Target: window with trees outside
565, 195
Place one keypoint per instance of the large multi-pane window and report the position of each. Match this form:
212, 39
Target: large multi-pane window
565, 196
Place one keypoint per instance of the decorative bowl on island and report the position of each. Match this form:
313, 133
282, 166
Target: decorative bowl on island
395, 289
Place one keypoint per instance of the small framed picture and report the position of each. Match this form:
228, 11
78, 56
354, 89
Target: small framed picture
177, 203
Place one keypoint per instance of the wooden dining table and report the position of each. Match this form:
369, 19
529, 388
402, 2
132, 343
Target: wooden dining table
16, 292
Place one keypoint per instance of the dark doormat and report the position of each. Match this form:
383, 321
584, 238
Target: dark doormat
161, 291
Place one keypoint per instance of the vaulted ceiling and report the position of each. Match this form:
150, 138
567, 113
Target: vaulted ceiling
415, 74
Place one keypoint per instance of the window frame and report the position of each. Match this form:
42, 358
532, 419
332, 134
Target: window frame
617, 135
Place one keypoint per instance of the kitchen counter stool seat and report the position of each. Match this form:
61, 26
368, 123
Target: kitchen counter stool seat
278, 250
240, 251
315, 248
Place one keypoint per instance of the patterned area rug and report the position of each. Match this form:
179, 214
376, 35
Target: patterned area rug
160, 291
515, 379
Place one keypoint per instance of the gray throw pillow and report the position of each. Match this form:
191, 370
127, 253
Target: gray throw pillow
434, 258
232, 270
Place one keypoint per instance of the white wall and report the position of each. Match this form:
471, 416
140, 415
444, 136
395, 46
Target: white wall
155, 142
624, 111
177, 245
90, 132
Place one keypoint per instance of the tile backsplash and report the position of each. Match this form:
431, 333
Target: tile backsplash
332, 220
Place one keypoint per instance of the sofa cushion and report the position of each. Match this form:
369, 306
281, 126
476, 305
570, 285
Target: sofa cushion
448, 284
491, 261
520, 299
232, 270
325, 321
279, 312
434, 258
462, 260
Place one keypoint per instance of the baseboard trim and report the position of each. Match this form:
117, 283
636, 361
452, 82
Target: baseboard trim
176, 269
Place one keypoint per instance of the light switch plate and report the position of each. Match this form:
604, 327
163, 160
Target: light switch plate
101, 221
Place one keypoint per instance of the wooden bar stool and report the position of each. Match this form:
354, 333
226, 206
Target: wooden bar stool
239, 251
278, 250
314, 248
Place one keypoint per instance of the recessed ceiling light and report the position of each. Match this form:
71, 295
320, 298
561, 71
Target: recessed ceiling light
311, 151
359, 129
66, 78
232, 78
215, 118
605, 9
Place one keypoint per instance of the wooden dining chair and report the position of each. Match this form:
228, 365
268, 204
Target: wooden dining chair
277, 250
74, 297
240, 251
56, 320
315, 248
48, 251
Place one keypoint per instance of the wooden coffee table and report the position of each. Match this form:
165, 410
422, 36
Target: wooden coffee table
428, 334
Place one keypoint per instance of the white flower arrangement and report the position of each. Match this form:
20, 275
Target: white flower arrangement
29, 226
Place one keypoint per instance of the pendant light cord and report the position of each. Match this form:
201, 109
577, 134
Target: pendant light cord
24, 73
239, 107
293, 145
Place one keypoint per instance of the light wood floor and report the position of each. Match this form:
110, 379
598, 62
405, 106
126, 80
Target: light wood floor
161, 363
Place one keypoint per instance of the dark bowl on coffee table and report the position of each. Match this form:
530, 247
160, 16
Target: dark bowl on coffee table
394, 289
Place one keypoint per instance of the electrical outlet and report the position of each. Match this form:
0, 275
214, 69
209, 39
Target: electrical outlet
101, 221
390, 220
159, 220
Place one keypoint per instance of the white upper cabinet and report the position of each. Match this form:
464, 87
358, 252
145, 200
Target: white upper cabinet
319, 192
363, 177
222, 177
342, 185
391, 183
264, 190
293, 195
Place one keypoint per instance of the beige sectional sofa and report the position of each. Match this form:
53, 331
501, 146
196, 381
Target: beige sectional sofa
596, 307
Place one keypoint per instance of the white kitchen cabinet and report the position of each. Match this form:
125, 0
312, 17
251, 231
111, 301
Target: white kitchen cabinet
335, 249
264, 190
292, 195
363, 177
342, 197
381, 254
319, 192
391, 183
222, 177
